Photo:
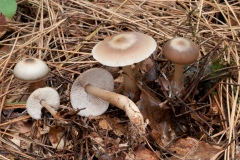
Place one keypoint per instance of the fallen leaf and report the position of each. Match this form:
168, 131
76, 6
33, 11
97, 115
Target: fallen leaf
118, 128
191, 149
214, 109
16, 140
23, 127
44, 130
56, 138
147, 64
103, 124
141, 153
148, 69
159, 117
112, 124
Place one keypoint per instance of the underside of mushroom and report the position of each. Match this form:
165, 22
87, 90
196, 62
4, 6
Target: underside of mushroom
92, 92
43, 97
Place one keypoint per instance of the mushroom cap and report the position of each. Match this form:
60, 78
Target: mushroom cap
33, 104
31, 70
124, 49
91, 105
181, 51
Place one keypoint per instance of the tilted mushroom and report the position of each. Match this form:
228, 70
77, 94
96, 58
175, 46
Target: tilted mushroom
31, 70
123, 50
181, 51
92, 92
90, 104
43, 97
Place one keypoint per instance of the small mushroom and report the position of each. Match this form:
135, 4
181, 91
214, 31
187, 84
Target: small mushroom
92, 92
43, 97
31, 70
123, 50
181, 51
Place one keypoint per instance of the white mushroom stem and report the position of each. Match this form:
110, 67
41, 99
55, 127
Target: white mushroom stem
177, 82
49, 108
129, 85
121, 102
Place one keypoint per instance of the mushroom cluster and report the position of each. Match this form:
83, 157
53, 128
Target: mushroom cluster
92, 91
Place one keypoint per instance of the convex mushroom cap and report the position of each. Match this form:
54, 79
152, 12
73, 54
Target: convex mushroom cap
33, 104
124, 49
31, 70
181, 51
90, 104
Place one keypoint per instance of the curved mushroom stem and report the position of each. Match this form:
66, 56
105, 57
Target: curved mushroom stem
121, 102
130, 87
177, 82
49, 108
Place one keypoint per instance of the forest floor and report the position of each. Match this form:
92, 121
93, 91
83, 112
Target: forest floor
200, 123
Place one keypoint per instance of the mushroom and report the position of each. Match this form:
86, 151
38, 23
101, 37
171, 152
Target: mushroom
92, 92
181, 51
123, 50
89, 104
31, 70
43, 97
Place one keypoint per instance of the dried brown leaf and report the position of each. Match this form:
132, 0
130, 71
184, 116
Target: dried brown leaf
56, 138
103, 124
147, 64
214, 109
23, 127
191, 149
142, 153
159, 117
148, 69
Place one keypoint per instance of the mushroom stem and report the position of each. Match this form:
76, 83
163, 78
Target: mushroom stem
49, 108
130, 87
35, 85
177, 82
121, 102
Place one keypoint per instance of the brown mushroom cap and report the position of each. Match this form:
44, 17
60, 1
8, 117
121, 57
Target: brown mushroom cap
31, 70
181, 51
124, 49
91, 105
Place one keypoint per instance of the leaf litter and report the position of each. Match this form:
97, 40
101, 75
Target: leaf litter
202, 123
